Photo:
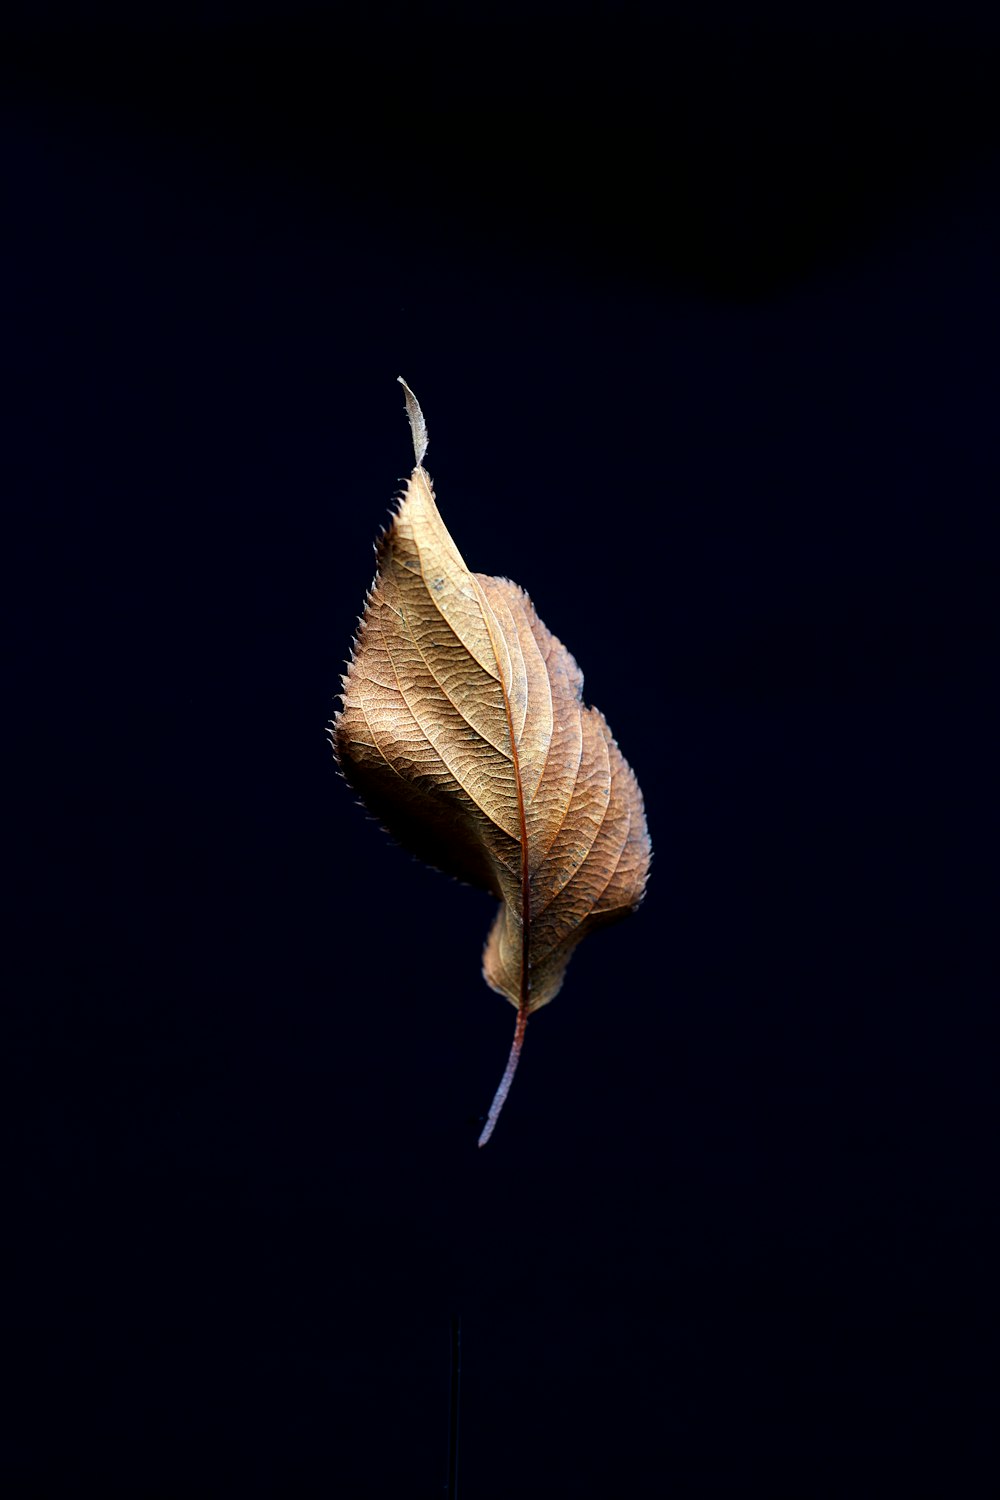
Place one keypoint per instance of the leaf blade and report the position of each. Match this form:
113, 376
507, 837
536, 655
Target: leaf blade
463, 729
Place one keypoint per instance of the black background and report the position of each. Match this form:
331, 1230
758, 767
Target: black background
703, 318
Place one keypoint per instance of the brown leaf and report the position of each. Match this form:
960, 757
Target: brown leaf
464, 731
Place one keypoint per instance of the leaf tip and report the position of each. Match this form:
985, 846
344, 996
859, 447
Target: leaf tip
418, 426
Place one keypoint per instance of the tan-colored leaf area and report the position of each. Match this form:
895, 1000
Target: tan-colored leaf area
464, 732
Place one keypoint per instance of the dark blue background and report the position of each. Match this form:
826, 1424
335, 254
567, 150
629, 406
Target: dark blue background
704, 323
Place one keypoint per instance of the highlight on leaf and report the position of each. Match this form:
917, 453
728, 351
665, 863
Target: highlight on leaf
463, 730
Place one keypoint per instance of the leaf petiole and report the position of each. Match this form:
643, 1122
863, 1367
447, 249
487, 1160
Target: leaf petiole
508, 1075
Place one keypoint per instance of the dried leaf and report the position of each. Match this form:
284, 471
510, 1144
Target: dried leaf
464, 731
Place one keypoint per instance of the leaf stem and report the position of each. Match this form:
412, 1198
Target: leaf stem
508, 1075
